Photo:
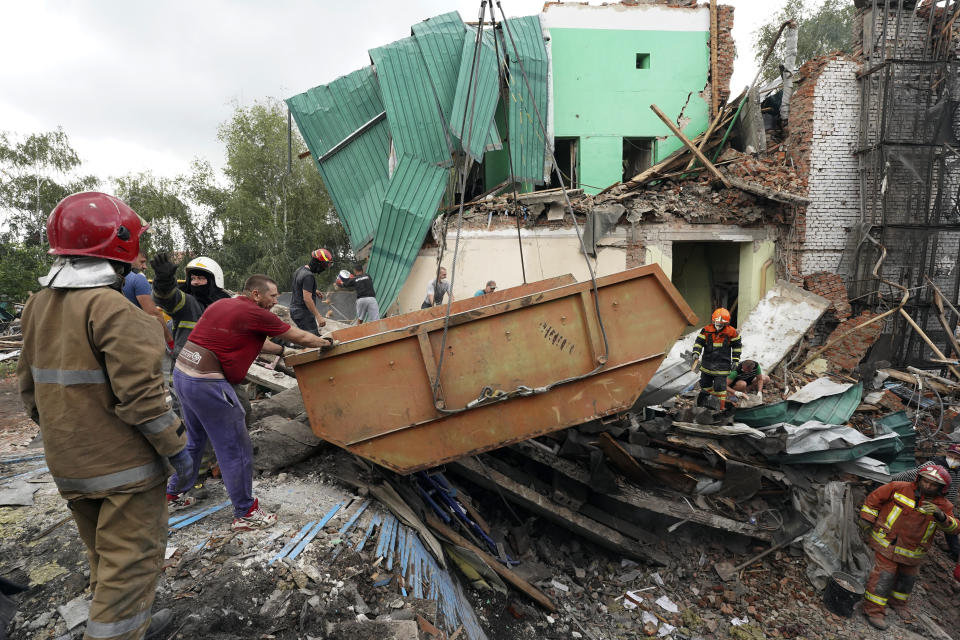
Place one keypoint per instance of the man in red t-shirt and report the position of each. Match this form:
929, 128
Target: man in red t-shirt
221, 348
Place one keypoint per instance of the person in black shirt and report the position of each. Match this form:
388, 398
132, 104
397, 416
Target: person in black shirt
367, 308
304, 296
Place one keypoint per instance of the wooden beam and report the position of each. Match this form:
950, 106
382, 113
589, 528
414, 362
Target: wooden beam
766, 192
494, 564
906, 377
540, 504
632, 496
926, 338
702, 158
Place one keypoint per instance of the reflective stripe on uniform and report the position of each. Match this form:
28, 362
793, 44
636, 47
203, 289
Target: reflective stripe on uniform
180, 303
872, 512
157, 424
919, 552
186, 324
880, 537
67, 377
875, 599
892, 517
902, 597
113, 629
110, 480
904, 500
931, 529
714, 373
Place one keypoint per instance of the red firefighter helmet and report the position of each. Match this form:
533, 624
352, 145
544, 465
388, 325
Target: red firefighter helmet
954, 449
323, 255
95, 225
935, 473
720, 315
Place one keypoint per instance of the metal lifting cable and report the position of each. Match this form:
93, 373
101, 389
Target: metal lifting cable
566, 198
513, 174
488, 395
463, 187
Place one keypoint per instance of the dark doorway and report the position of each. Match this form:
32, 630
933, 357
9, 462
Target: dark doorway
637, 156
707, 274
565, 151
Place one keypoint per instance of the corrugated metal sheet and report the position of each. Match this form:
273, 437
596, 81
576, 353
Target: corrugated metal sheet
835, 409
357, 175
412, 110
526, 138
440, 40
471, 121
409, 208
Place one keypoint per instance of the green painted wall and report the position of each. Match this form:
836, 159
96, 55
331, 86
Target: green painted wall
601, 97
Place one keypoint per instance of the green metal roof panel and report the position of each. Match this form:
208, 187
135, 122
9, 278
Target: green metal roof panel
357, 175
526, 138
415, 120
408, 210
473, 121
440, 40
835, 409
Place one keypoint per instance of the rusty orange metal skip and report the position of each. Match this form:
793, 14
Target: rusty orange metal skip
517, 363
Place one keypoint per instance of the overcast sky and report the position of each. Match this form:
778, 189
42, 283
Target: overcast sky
144, 85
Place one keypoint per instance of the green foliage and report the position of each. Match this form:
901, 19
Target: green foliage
181, 211
267, 217
20, 266
275, 211
820, 30
36, 172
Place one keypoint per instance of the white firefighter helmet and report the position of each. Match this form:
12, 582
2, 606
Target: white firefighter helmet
203, 263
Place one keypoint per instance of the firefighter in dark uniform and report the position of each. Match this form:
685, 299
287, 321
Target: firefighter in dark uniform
717, 352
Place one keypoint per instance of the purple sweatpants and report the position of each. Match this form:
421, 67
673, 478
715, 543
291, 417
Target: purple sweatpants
211, 410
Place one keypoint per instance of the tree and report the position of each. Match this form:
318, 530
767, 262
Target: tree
182, 211
36, 172
820, 30
276, 211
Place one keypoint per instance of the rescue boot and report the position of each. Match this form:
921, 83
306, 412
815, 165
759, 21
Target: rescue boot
903, 611
159, 622
877, 620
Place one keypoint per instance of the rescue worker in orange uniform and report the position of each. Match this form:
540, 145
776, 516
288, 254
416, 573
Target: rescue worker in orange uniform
902, 518
90, 376
717, 351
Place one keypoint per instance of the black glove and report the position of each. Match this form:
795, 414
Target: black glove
183, 465
165, 270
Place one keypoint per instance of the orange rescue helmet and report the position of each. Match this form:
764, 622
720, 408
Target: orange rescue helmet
720, 318
323, 255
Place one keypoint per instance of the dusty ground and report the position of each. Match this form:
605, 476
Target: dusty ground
222, 586
16, 429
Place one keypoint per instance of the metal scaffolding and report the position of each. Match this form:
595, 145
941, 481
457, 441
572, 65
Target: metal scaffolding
909, 163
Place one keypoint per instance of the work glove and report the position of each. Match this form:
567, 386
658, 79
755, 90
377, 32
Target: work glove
928, 508
182, 463
165, 273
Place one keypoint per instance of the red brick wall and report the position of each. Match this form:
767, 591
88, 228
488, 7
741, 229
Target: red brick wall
848, 353
830, 286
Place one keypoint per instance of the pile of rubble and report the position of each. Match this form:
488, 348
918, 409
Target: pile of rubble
617, 528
